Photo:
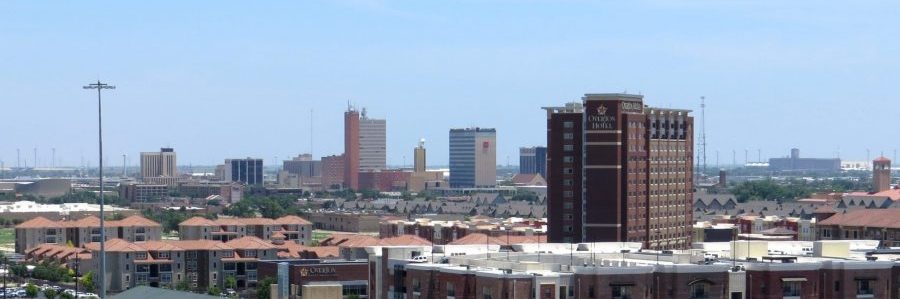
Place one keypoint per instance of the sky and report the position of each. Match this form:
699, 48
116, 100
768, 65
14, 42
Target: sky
230, 79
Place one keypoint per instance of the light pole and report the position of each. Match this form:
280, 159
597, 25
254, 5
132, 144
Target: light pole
99, 86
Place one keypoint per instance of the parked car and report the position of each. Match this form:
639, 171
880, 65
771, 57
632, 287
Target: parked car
419, 259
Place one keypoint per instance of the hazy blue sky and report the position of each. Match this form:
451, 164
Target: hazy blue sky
218, 79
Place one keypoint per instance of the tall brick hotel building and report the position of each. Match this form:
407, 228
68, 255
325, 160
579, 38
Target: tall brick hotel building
619, 171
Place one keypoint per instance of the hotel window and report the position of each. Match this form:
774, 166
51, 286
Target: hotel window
568, 171
568, 159
864, 287
621, 292
486, 293
791, 289
568, 147
451, 291
568, 136
567, 228
700, 290
567, 182
568, 125
567, 216
568, 194
568, 205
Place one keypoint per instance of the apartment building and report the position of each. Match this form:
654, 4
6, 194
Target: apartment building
40, 230
290, 228
202, 263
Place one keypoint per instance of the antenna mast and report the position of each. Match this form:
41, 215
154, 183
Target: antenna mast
703, 131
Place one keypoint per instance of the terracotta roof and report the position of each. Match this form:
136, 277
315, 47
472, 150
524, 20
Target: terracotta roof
116, 245
292, 219
37, 222
894, 194
524, 239
477, 239
882, 159
89, 221
160, 246
134, 220
199, 244
250, 242
197, 221
526, 178
404, 240
875, 218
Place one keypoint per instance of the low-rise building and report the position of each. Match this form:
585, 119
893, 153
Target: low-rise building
345, 222
40, 230
863, 224
27, 210
290, 228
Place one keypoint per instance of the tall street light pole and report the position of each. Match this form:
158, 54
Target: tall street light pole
99, 86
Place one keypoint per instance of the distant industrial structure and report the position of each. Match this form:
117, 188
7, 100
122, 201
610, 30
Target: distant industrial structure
795, 163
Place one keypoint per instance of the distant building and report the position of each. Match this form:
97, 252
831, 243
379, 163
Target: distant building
159, 164
138, 192
795, 163
365, 145
384, 180
26, 210
533, 160
881, 174
473, 157
333, 171
620, 171
372, 143
419, 162
304, 166
345, 222
47, 188
248, 171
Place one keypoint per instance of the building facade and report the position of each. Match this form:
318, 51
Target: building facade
620, 171
40, 230
881, 174
248, 171
473, 157
288, 228
351, 148
795, 163
333, 171
533, 160
304, 166
159, 164
372, 143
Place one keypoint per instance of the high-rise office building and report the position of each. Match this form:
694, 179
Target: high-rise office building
351, 148
473, 157
333, 171
364, 145
159, 164
248, 171
303, 166
620, 171
419, 157
372, 143
533, 160
881, 174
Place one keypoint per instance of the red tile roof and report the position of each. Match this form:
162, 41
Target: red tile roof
478, 239
250, 242
89, 221
880, 218
292, 219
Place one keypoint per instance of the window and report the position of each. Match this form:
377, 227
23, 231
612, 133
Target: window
568, 125
487, 293
700, 291
416, 285
140, 256
568, 171
568, 136
567, 182
621, 292
864, 287
568, 147
568, 159
163, 254
568, 205
791, 289
567, 228
451, 291
567, 194
139, 230
251, 275
591, 292
142, 268
251, 266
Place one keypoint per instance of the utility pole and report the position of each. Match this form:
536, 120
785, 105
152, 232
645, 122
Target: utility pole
35, 159
99, 86
53, 158
18, 159
124, 166
703, 130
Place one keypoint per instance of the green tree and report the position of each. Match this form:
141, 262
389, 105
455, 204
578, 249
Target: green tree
214, 291
50, 293
66, 296
263, 290
88, 281
230, 282
183, 285
31, 290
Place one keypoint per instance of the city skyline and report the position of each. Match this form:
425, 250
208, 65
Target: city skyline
794, 69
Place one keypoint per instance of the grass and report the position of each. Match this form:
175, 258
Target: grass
8, 237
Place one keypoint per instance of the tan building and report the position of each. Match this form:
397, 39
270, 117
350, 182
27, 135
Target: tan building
291, 228
202, 263
40, 230
159, 164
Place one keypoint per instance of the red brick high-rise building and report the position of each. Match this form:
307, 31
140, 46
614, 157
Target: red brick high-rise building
620, 171
351, 148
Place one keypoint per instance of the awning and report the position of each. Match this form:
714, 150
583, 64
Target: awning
793, 279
